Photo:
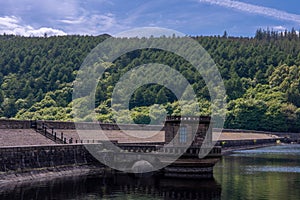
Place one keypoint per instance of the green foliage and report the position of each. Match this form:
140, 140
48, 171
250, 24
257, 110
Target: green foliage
31, 67
47, 109
261, 76
246, 114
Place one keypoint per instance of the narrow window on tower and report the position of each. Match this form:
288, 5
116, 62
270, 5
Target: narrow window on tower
182, 135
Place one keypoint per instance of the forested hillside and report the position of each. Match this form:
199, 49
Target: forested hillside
261, 76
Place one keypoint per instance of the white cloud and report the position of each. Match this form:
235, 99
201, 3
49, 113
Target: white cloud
9, 22
91, 24
13, 25
279, 28
26, 17
254, 9
70, 20
43, 30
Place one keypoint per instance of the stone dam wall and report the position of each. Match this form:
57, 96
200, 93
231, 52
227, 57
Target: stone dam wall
24, 158
19, 158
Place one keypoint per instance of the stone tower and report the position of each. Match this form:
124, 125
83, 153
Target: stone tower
181, 130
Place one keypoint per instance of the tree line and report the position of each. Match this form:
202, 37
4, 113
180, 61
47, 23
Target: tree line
261, 77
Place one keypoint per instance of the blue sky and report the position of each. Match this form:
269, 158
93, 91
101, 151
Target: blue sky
191, 17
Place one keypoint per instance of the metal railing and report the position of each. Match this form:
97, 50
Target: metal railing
49, 133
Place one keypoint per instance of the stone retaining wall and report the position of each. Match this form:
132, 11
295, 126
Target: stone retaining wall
26, 124
14, 124
237, 143
31, 157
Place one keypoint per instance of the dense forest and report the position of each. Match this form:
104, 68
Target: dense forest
261, 77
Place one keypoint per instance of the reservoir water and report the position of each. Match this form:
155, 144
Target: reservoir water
265, 173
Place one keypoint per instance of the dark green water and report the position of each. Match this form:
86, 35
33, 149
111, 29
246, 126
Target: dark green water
267, 173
